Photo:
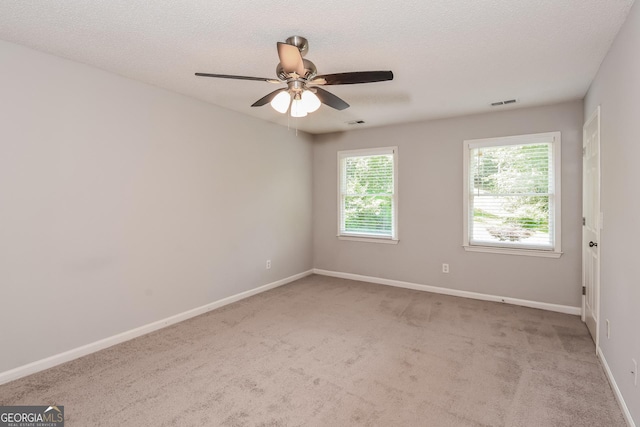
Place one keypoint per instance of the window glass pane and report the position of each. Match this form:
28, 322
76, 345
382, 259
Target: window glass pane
368, 214
369, 175
511, 169
513, 219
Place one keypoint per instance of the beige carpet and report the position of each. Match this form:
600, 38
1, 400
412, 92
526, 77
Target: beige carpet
331, 352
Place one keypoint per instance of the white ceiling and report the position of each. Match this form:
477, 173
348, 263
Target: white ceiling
449, 57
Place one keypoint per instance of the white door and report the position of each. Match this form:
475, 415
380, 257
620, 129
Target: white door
591, 223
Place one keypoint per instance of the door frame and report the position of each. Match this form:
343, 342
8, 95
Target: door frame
595, 115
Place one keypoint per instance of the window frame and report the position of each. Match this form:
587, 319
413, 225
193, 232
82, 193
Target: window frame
555, 138
364, 237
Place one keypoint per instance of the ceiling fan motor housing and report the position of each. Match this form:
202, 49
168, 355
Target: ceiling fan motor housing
310, 71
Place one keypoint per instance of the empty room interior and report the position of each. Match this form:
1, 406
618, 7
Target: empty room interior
348, 213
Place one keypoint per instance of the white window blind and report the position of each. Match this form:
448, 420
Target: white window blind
367, 193
513, 192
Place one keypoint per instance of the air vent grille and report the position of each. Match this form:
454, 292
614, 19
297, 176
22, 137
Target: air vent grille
508, 101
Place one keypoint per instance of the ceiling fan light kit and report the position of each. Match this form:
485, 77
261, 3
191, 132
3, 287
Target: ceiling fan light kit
302, 94
301, 99
297, 109
281, 102
310, 101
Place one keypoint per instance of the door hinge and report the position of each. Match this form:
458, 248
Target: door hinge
584, 290
584, 221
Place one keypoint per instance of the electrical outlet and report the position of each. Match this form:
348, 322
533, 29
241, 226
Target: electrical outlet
268, 264
445, 268
608, 329
635, 372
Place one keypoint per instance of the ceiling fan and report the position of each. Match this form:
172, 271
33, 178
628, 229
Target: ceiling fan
303, 94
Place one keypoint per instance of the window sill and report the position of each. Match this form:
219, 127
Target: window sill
387, 240
513, 251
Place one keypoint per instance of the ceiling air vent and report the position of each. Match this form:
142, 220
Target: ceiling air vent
508, 101
356, 122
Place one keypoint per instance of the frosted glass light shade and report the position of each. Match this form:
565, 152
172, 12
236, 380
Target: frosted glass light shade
281, 102
297, 108
310, 101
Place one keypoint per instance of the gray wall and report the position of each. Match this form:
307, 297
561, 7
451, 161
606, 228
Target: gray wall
122, 204
430, 208
616, 89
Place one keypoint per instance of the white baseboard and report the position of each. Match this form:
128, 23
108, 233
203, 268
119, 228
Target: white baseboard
453, 292
49, 362
616, 390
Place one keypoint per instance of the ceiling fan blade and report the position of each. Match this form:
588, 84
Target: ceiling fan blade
227, 76
353, 78
330, 99
290, 58
267, 98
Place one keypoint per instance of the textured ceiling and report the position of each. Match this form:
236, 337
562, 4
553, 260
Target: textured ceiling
449, 57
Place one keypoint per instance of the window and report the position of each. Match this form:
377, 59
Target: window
367, 195
512, 195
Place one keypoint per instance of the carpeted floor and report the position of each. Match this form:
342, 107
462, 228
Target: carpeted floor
332, 352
